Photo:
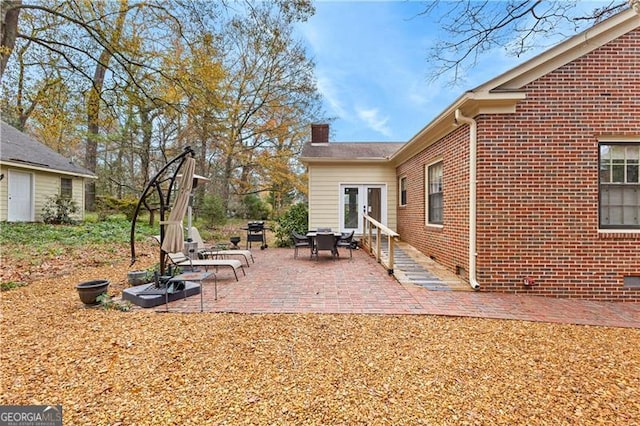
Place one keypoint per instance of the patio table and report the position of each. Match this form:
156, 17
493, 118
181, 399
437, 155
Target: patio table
198, 277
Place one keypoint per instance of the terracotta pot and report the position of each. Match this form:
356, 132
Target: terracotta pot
90, 290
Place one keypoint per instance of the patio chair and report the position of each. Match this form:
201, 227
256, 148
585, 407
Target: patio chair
210, 252
326, 241
300, 241
180, 259
346, 241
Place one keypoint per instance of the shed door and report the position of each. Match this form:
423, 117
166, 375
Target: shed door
20, 197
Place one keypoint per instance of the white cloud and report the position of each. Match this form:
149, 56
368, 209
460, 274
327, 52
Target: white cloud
331, 95
372, 119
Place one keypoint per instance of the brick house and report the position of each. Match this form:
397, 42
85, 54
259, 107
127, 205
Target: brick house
530, 183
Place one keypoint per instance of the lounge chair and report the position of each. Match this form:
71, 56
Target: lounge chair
209, 252
180, 259
300, 241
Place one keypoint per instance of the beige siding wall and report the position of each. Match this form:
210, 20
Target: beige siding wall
324, 190
46, 185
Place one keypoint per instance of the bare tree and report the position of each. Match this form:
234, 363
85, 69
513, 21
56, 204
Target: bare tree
475, 27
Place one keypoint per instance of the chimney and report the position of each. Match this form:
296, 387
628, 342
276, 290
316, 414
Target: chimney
319, 133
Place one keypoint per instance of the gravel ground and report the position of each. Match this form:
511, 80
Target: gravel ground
141, 367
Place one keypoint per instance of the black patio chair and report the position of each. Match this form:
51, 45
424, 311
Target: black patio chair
326, 242
300, 241
346, 241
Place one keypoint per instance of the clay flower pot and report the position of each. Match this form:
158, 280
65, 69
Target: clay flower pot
90, 290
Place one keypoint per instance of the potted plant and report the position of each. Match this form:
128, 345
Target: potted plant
90, 290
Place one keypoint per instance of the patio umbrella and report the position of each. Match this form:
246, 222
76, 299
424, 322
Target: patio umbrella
174, 233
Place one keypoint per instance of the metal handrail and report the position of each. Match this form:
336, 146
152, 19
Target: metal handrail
371, 225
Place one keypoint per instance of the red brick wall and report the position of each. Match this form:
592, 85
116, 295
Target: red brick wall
447, 244
538, 184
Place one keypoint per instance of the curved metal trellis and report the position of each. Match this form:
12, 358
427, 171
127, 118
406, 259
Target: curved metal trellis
165, 200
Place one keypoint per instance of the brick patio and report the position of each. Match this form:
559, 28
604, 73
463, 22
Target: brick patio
278, 283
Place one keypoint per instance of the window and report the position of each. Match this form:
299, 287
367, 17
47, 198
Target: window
403, 191
66, 188
619, 185
434, 198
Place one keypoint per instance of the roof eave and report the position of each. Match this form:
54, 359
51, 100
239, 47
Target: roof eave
563, 53
47, 169
307, 160
471, 104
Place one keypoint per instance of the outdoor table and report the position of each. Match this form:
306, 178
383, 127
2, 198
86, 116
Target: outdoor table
197, 277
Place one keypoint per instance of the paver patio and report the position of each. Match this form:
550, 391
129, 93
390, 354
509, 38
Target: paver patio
278, 283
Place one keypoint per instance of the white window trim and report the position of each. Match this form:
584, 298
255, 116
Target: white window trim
426, 193
613, 140
400, 179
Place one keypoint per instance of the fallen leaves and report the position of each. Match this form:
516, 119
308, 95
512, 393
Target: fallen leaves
141, 367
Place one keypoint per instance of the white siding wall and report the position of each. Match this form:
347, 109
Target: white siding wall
324, 190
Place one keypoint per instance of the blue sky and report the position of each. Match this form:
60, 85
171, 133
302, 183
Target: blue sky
372, 68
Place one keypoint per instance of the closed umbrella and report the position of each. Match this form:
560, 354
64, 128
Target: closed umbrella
174, 234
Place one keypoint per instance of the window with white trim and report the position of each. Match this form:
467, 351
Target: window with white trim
619, 199
403, 190
66, 188
434, 194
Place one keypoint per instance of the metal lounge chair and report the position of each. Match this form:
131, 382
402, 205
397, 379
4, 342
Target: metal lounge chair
209, 252
182, 260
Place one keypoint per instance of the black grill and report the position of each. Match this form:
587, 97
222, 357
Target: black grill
256, 234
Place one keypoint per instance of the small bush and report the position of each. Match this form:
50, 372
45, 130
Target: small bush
213, 209
108, 206
58, 210
255, 208
296, 218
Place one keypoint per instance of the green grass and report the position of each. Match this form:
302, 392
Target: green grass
11, 285
53, 240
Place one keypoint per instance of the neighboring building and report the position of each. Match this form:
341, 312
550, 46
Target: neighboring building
31, 173
531, 181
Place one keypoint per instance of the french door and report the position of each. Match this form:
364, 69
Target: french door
358, 199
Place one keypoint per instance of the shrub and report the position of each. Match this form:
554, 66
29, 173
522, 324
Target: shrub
255, 208
296, 218
58, 210
213, 209
107, 206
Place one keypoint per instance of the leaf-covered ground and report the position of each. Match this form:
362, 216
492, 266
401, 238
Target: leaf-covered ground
142, 367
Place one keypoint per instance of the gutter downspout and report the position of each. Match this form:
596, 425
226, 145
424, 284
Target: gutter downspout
473, 143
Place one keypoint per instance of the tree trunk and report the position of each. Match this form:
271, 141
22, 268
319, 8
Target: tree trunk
93, 109
8, 30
